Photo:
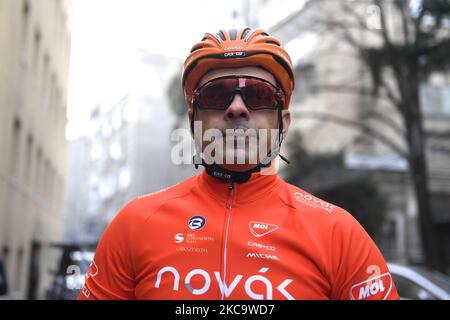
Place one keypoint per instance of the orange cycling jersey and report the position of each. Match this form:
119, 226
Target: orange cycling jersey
209, 239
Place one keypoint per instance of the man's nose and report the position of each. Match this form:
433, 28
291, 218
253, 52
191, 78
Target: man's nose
237, 109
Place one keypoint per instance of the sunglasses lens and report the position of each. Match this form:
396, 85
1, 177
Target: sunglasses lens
256, 93
216, 94
259, 94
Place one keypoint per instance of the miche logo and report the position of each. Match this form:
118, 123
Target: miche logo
259, 229
197, 222
262, 256
375, 288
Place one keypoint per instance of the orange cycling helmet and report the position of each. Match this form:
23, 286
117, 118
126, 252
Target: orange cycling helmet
238, 48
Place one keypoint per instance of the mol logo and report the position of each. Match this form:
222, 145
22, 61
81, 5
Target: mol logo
93, 270
259, 229
375, 288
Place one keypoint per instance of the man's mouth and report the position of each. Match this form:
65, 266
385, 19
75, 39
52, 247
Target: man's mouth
237, 132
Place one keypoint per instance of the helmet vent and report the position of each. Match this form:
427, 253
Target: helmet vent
221, 35
273, 42
246, 31
196, 48
233, 34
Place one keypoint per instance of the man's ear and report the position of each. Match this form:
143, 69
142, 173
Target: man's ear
190, 113
286, 118
191, 119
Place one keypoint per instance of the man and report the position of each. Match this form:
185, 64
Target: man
34, 272
3, 279
236, 231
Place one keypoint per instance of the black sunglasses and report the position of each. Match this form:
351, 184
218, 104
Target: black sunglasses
256, 93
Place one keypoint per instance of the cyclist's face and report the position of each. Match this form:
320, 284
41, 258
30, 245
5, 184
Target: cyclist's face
238, 116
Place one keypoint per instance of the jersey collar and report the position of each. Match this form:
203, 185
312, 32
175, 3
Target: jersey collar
258, 186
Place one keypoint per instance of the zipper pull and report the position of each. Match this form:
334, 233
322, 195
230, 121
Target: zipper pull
231, 188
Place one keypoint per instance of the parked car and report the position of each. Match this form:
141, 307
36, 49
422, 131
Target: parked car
419, 283
69, 279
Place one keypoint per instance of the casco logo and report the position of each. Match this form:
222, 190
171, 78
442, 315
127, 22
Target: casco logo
375, 288
259, 229
197, 222
179, 238
259, 245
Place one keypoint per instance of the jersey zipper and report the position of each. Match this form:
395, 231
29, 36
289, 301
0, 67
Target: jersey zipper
225, 252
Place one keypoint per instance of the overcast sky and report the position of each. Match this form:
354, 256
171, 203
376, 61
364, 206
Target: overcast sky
107, 34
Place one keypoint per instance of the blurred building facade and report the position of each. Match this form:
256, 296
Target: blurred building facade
127, 152
99, 177
328, 67
35, 42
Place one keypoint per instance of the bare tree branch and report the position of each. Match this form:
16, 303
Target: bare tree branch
345, 28
418, 23
389, 122
362, 91
402, 6
390, 94
344, 31
384, 30
365, 129
350, 10
361, 20
409, 62
387, 94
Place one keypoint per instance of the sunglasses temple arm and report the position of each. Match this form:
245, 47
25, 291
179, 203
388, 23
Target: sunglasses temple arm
281, 136
284, 159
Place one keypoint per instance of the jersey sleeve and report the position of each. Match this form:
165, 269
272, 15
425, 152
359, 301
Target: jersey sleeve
359, 269
110, 275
